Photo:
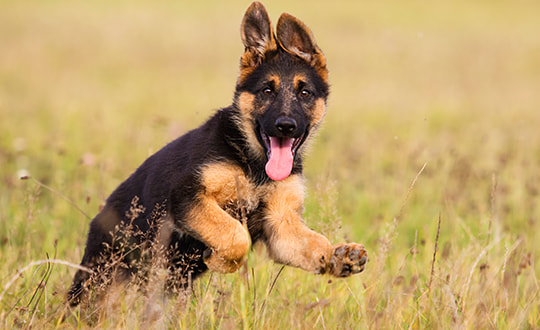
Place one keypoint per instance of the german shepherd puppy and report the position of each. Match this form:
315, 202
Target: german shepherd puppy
235, 180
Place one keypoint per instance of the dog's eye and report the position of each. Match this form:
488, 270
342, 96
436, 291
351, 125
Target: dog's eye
305, 93
267, 91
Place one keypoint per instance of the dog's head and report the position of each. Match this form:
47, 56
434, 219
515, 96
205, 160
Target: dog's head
282, 89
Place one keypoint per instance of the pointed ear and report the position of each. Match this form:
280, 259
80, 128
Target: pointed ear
296, 38
257, 36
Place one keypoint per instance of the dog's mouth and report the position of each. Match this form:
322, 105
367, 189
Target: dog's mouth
280, 152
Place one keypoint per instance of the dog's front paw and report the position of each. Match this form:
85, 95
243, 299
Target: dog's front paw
217, 262
347, 259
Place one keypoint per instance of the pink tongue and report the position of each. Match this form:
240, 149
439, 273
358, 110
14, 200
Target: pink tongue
280, 164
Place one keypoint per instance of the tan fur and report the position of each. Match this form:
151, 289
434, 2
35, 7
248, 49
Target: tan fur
246, 66
319, 63
276, 80
297, 79
108, 219
253, 57
228, 238
166, 228
245, 103
227, 183
318, 112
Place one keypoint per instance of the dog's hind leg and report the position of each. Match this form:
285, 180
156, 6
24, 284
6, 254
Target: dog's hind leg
99, 236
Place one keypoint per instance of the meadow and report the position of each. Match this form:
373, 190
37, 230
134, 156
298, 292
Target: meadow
429, 156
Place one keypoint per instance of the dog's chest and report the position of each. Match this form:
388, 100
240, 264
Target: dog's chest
231, 189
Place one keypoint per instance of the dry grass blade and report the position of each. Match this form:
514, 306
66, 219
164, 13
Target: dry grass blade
270, 290
387, 239
409, 191
434, 254
465, 290
37, 263
64, 197
491, 209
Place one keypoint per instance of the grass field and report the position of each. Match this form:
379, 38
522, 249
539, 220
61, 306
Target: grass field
88, 90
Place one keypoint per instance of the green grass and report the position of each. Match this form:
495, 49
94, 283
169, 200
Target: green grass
88, 90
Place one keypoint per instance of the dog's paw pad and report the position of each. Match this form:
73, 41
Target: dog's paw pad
348, 259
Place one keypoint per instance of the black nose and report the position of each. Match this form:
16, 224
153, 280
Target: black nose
286, 125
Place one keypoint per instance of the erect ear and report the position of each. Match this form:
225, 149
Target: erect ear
296, 38
257, 36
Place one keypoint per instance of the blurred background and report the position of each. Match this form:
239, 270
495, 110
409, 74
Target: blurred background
88, 90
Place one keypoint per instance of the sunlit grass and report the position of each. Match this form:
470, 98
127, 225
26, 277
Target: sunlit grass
88, 90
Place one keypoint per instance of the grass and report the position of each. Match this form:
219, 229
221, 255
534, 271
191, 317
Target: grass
89, 90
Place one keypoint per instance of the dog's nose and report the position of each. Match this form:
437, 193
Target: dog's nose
286, 125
